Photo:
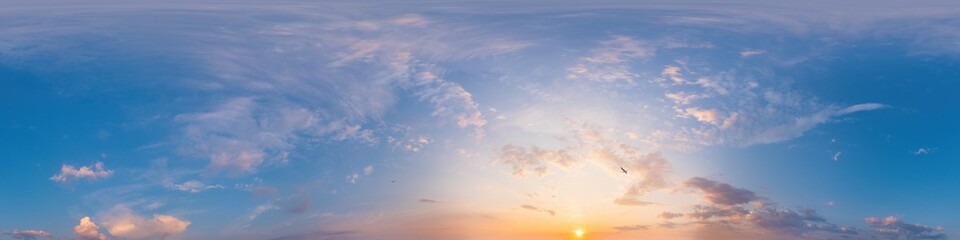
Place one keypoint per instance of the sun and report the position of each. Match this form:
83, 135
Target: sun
578, 232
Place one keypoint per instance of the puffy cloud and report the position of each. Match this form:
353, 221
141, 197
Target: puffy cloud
28, 234
893, 228
533, 161
121, 222
88, 230
533, 208
721, 193
193, 186
94, 172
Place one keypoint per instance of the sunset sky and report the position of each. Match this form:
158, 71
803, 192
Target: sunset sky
455, 120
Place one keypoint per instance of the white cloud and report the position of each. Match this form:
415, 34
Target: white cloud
836, 156
751, 52
923, 151
94, 172
121, 222
353, 178
193, 186
368, 170
88, 230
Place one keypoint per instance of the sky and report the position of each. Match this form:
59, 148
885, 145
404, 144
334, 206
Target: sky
473, 120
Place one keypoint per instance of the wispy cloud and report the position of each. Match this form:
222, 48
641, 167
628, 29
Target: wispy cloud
804, 124
631, 228
924, 151
538, 209
28, 234
751, 52
193, 186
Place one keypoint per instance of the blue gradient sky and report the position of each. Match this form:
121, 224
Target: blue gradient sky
479, 120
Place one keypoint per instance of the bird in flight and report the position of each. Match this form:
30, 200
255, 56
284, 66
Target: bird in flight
624, 170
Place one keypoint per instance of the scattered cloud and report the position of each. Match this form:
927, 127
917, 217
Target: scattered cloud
532, 161
427, 200
415, 144
88, 230
607, 63
721, 193
893, 228
121, 222
91, 173
28, 234
353, 178
836, 156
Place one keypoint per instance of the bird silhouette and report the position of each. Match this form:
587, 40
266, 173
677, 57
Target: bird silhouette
624, 170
